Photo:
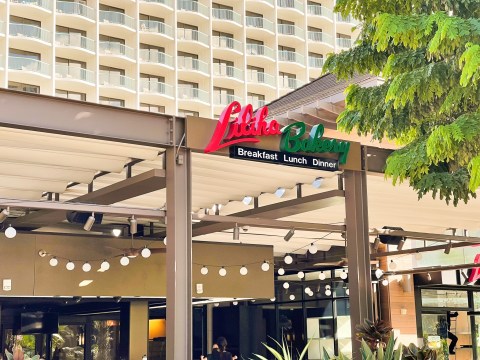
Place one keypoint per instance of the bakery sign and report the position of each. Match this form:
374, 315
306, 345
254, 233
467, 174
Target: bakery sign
239, 125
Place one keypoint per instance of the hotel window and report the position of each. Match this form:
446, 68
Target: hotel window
188, 61
72, 95
222, 96
152, 108
24, 54
255, 47
112, 76
25, 60
315, 60
188, 90
184, 113
222, 39
286, 27
152, 83
104, 7
152, 23
287, 80
67, 68
187, 32
255, 74
21, 20
223, 67
257, 100
24, 87
111, 101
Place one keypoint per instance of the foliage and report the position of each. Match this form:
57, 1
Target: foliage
18, 354
389, 353
284, 353
428, 53
374, 333
413, 352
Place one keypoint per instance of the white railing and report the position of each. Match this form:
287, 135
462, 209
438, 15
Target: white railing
116, 48
190, 63
227, 70
168, 3
318, 36
290, 56
256, 49
226, 14
290, 4
109, 78
315, 62
74, 72
28, 64
189, 93
155, 87
115, 17
192, 35
287, 29
259, 22
256, 103
156, 27
344, 43
225, 99
45, 4
259, 77
289, 83
75, 40
226, 42
319, 10
155, 56
194, 6
75, 8
29, 31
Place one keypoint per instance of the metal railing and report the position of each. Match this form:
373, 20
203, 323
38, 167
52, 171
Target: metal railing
318, 36
194, 6
155, 87
259, 22
192, 35
156, 27
226, 42
190, 63
46, 4
289, 83
75, 40
116, 48
155, 56
290, 4
315, 62
109, 78
75, 8
319, 10
225, 99
256, 49
29, 31
287, 29
226, 14
74, 72
115, 17
28, 64
190, 93
168, 3
259, 77
227, 70
344, 43
290, 56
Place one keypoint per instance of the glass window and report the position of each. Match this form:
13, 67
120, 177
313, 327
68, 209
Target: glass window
21, 20
67, 30
69, 343
105, 339
152, 108
184, 113
444, 298
111, 101
343, 327
104, 7
71, 95
320, 328
24, 87
24, 54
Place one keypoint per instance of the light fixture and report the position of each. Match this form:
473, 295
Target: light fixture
429, 277
328, 290
317, 182
42, 253
301, 274
105, 265
312, 249
53, 261
279, 192
393, 265
204, 270
133, 225
289, 234
222, 271
288, 259
376, 243
10, 232
343, 275
448, 247
347, 291
146, 252
89, 223
247, 200
165, 241
281, 271
400, 244
116, 232
292, 297
272, 299
124, 260
286, 285
378, 273
70, 265
307, 290
236, 232
265, 265
322, 275
86, 267
144, 357
385, 282
235, 303
243, 270
216, 304
4, 214
117, 299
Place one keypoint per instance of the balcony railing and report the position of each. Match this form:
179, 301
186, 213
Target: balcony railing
155, 87
168, 3
225, 99
227, 71
156, 27
116, 48
115, 17
259, 22
190, 63
189, 93
319, 10
344, 43
290, 56
256, 103
2, 28
346, 19
224, 42
108, 78
289, 83
226, 14
290, 4
318, 36
155, 56
287, 29
74, 72
194, 6
262, 50
315, 62
259, 77
28, 64
74, 40
45, 4
75, 8
29, 31
192, 35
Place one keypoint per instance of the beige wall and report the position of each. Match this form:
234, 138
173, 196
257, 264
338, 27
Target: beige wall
32, 274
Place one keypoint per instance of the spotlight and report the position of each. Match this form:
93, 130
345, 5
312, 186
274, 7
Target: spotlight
133, 225
204, 270
448, 248
376, 243
393, 265
86, 267
117, 299
317, 182
286, 285
146, 252
89, 223
4, 214
378, 273
10, 232
400, 244
247, 200
288, 259
105, 265
281, 271
70, 265
243, 270
124, 260
279, 192
322, 276
312, 249
53, 261
116, 232
292, 297
265, 266
343, 275
385, 282
222, 271
289, 235
236, 233
301, 274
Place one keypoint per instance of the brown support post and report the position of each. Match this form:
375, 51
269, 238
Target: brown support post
358, 252
179, 254
138, 339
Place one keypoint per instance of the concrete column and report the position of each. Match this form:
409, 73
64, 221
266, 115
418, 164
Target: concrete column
179, 254
358, 252
138, 339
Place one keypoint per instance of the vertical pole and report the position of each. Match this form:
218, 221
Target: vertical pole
138, 345
358, 252
179, 254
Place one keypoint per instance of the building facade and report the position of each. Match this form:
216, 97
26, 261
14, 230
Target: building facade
181, 58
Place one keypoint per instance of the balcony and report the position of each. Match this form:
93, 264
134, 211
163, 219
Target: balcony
319, 41
227, 43
75, 8
315, 62
116, 49
262, 78
226, 17
344, 43
292, 30
32, 6
153, 87
189, 93
346, 19
193, 37
256, 103
260, 55
291, 57
226, 73
26, 31
73, 42
290, 5
192, 7
192, 64
225, 99
289, 83
116, 18
156, 57
115, 80
156, 28
256, 22
319, 10
74, 73
28, 64
163, 3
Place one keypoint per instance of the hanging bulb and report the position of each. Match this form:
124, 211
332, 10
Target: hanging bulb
286, 285
86, 267
378, 273
165, 241
347, 291
124, 260
243, 270
343, 275
53, 261
307, 290
204, 270
301, 274
328, 292
281, 271
272, 299
265, 266
105, 265
292, 297
429, 277
322, 275
146, 252
288, 259
235, 303
222, 271
70, 265
385, 282
312, 249
10, 232
392, 265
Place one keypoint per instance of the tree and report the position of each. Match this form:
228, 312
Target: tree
428, 53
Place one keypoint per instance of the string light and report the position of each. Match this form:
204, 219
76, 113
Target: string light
286, 285
322, 275
281, 271
307, 290
301, 274
105, 265
146, 252
265, 266
86, 267
243, 270
347, 291
53, 261
392, 265
272, 299
165, 241
70, 265
343, 275
292, 297
378, 273
328, 292
385, 282
222, 271
124, 260
288, 259
204, 270
10, 232
235, 303
312, 249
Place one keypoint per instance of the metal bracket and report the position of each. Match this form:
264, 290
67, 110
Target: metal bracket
179, 158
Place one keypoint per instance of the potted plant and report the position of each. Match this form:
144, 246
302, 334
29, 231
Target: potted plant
284, 353
374, 333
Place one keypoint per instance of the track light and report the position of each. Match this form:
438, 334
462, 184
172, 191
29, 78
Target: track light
247, 200
236, 232
317, 182
289, 235
10, 232
133, 225
448, 247
385, 282
279, 192
4, 214
89, 223
400, 244
376, 243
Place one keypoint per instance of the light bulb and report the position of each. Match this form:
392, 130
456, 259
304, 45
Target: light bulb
204, 270
265, 266
146, 252
165, 241
272, 299
235, 303
322, 276
53, 261
307, 290
10, 232
70, 265
86, 267
343, 275
116, 232
286, 285
378, 273
385, 282
105, 265
288, 259
393, 265
124, 260
347, 291
301, 274
243, 270
222, 271
292, 297
310, 293
216, 304
281, 271
312, 249
328, 292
